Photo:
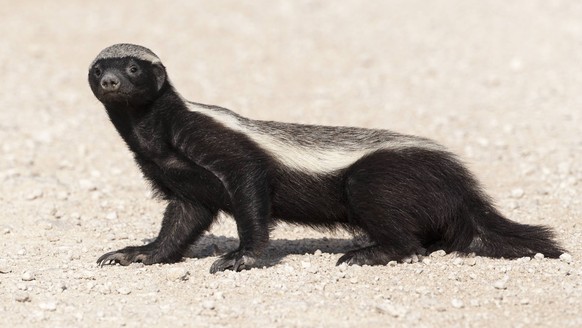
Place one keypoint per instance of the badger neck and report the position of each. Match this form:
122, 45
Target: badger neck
127, 118
168, 101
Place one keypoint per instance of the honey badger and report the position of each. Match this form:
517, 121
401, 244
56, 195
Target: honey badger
403, 192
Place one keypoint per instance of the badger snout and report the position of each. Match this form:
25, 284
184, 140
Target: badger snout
109, 82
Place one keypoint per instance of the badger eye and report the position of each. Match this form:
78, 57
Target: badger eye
97, 71
133, 69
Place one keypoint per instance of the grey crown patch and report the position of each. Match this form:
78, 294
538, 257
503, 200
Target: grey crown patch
122, 50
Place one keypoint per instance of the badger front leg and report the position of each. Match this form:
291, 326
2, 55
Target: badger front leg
183, 223
251, 211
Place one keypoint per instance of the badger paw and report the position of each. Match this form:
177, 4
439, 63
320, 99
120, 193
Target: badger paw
237, 260
133, 254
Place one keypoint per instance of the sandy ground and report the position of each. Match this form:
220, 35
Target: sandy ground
498, 82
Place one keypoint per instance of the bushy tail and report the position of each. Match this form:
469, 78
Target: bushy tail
500, 237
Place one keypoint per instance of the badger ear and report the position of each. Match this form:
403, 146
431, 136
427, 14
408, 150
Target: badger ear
160, 73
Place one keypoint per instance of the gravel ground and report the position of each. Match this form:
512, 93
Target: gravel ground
498, 82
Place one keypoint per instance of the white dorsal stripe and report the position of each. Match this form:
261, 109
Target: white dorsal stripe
292, 155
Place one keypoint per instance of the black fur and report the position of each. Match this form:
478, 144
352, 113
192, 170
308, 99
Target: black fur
404, 196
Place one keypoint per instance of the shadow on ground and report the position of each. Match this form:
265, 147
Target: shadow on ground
211, 245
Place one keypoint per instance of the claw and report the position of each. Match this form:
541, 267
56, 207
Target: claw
238, 265
235, 261
219, 265
119, 257
113, 258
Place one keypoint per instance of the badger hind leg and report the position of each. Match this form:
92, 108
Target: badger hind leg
382, 210
391, 241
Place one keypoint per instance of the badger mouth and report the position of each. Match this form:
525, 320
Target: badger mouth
115, 96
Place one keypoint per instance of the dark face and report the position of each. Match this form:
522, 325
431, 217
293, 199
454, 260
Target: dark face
126, 81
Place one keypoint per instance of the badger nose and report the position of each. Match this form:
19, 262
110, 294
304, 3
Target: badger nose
110, 82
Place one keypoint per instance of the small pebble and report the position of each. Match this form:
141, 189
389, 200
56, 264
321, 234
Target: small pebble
53, 239
539, 256
219, 295
317, 252
441, 308
21, 296
500, 284
48, 306
87, 185
37, 193
47, 226
124, 291
208, 305
457, 303
566, 258
439, 253
513, 205
392, 263
517, 193
27, 276
458, 261
174, 274
72, 256
471, 261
